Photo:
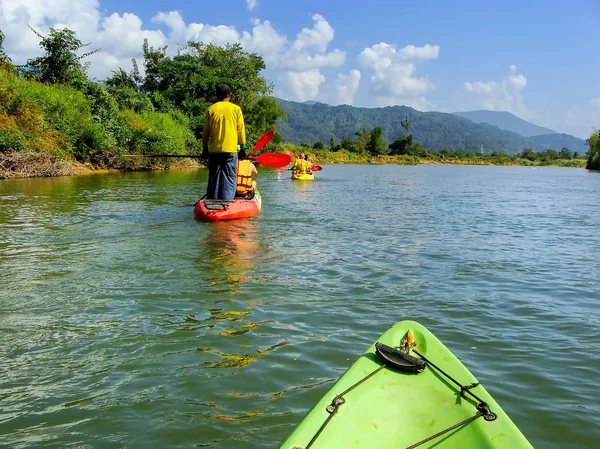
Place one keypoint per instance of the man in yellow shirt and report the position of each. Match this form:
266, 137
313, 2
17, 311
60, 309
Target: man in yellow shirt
223, 131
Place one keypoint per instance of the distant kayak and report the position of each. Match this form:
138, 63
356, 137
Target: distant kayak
405, 392
303, 176
219, 210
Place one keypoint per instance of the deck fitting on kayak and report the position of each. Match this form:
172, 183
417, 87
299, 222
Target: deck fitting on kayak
337, 401
484, 409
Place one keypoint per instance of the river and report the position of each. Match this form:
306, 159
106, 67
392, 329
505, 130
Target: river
124, 323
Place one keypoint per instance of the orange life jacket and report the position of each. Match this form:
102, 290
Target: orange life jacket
244, 179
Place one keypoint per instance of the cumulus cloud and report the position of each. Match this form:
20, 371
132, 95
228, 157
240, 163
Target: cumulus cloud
394, 80
504, 95
304, 85
346, 86
119, 37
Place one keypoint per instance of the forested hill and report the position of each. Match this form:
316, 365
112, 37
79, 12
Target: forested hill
507, 121
310, 123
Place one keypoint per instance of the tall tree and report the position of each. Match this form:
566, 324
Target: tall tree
262, 116
60, 62
376, 144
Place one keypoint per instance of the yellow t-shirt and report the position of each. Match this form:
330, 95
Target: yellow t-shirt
223, 128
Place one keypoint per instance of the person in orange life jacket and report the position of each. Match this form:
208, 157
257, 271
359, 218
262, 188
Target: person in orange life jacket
245, 169
301, 165
223, 131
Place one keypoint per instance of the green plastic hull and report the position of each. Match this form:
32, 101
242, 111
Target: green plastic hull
396, 409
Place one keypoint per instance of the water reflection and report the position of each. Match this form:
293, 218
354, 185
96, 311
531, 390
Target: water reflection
229, 252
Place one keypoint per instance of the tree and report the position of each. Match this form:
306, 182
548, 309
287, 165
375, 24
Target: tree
363, 137
406, 124
4, 59
347, 144
593, 162
565, 153
332, 145
120, 79
262, 116
376, 144
60, 64
403, 144
551, 154
318, 145
528, 154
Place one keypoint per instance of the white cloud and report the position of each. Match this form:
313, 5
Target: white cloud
316, 38
17, 15
346, 87
595, 101
504, 95
304, 85
394, 81
266, 41
119, 38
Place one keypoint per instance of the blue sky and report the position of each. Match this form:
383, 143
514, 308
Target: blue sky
537, 59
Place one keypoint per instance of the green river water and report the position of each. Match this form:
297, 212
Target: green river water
124, 323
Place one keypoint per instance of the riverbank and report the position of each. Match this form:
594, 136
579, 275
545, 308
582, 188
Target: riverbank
29, 165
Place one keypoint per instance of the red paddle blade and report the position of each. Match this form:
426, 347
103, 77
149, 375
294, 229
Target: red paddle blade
280, 170
273, 159
263, 141
316, 168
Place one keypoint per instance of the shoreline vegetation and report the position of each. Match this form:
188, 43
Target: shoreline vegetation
54, 121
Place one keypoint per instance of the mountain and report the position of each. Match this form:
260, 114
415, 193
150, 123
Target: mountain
310, 123
507, 121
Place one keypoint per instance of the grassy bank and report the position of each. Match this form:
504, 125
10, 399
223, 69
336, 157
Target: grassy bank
345, 157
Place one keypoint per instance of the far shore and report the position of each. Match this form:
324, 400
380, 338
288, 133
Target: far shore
70, 168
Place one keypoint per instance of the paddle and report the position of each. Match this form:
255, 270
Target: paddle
272, 159
262, 141
311, 168
267, 159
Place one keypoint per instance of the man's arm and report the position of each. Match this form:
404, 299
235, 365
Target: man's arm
206, 130
241, 129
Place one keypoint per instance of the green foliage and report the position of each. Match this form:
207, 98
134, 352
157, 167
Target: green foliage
593, 162
23, 124
60, 63
565, 153
376, 145
363, 138
262, 116
156, 132
120, 80
129, 98
402, 145
318, 145
194, 72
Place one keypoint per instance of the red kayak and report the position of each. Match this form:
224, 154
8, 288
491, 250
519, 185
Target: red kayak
219, 210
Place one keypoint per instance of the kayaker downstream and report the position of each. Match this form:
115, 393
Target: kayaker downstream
301, 165
224, 130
